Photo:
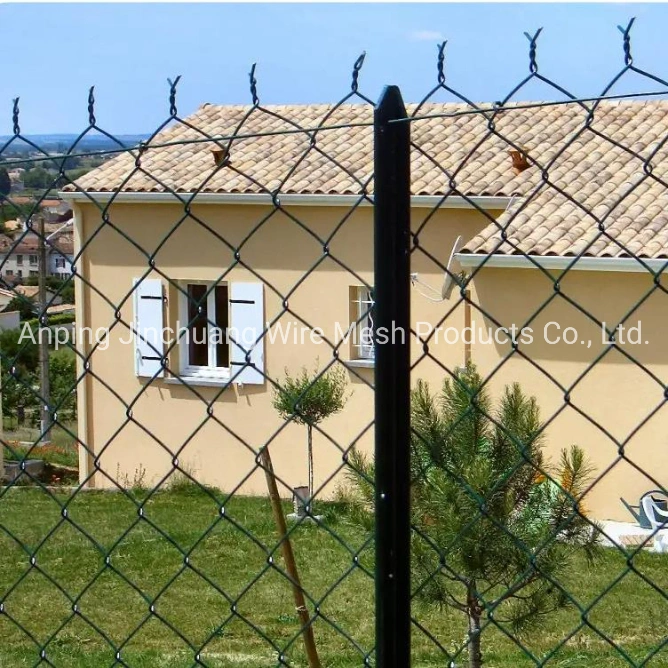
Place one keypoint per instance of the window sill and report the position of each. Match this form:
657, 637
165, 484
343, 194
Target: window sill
361, 364
188, 381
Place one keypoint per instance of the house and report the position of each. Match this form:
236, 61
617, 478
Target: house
304, 259
32, 292
16, 180
60, 253
6, 296
56, 210
19, 258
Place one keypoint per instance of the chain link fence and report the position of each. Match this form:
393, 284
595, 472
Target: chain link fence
269, 402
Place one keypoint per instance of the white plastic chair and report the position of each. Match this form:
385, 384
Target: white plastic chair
658, 518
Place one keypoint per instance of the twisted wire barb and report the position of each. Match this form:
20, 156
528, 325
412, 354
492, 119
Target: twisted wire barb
356, 71
533, 65
626, 34
253, 86
440, 63
172, 96
91, 106
15, 117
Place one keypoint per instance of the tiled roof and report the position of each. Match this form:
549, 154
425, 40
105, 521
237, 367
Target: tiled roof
603, 185
28, 242
29, 291
60, 308
24, 199
62, 244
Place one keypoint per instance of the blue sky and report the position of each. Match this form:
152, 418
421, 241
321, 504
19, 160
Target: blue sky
54, 52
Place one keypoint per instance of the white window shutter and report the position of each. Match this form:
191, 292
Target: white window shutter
247, 326
148, 327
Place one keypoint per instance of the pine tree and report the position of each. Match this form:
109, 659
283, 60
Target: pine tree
494, 524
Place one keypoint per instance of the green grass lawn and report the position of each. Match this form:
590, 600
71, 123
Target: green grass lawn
235, 608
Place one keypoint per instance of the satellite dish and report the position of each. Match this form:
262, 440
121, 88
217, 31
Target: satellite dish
452, 269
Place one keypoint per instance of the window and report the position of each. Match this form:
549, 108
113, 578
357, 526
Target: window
19, 259
204, 315
34, 273
363, 302
60, 263
220, 331
19, 272
9, 272
33, 259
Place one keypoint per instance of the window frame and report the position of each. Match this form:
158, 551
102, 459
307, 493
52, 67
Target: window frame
187, 370
19, 259
363, 313
32, 259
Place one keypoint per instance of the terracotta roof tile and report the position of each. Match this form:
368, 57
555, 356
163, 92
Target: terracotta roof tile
597, 188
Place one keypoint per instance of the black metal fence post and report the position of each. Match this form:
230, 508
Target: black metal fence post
392, 350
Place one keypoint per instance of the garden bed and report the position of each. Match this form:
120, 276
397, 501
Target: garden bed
35, 471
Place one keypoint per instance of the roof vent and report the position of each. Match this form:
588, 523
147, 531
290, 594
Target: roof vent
520, 162
221, 156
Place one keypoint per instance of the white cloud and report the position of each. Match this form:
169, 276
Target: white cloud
426, 35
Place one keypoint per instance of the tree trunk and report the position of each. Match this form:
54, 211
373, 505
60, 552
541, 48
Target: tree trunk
290, 563
309, 429
473, 611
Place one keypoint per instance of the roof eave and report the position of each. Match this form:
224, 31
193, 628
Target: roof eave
584, 263
483, 203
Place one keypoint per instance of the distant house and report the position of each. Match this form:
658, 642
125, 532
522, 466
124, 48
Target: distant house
6, 296
61, 255
55, 210
19, 258
11, 319
16, 179
32, 292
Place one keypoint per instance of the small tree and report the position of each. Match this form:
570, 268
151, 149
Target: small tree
308, 399
18, 362
63, 381
25, 306
493, 531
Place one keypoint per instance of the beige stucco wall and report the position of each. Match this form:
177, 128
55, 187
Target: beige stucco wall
607, 400
165, 415
219, 450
